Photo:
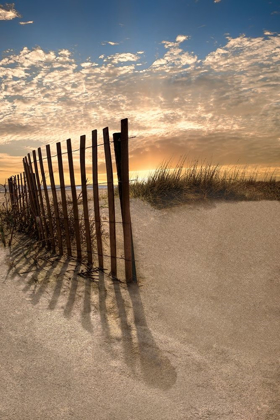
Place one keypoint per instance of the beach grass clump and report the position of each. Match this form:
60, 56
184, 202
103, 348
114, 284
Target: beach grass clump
167, 186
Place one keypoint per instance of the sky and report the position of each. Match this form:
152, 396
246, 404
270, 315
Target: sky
195, 78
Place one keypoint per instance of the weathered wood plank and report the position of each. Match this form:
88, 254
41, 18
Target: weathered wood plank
30, 192
19, 194
40, 201
85, 199
25, 189
51, 227
111, 202
23, 198
96, 199
33, 187
55, 203
125, 199
74, 200
63, 199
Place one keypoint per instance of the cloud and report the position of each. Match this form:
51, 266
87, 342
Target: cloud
8, 12
225, 106
110, 43
181, 38
217, 1
26, 23
175, 56
276, 12
122, 58
269, 33
23, 147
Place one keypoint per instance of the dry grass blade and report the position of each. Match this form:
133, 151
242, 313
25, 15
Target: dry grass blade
168, 186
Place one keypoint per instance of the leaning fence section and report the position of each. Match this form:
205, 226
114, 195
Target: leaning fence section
51, 198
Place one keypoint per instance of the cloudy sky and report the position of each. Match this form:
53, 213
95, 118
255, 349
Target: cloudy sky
194, 77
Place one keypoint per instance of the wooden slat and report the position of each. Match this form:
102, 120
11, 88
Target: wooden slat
10, 184
63, 198
56, 210
111, 201
40, 201
125, 199
117, 150
33, 186
23, 198
19, 194
96, 199
16, 194
25, 189
74, 199
30, 194
85, 199
118, 156
51, 227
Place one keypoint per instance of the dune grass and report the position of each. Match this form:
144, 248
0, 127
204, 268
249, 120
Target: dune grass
167, 187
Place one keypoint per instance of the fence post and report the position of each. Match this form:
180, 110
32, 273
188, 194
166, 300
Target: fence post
40, 201
84, 194
47, 198
117, 148
63, 199
16, 205
74, 200
23, 200
36, 201
96, 199
33, 187
30, 195
10, 185
127, 232
56, 209
111, 201
25, 187
19, 194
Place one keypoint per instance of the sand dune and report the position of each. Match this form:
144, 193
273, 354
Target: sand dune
198, 339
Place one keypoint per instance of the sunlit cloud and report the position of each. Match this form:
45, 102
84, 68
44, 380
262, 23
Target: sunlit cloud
269, 33
109, 42
26, 23
224, 107
122, 58
181, 38
217, 1
174, 56
8, 12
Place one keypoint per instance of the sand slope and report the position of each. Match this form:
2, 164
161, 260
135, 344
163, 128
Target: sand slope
199, 339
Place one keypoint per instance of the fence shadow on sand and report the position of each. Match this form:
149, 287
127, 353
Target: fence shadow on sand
107, 308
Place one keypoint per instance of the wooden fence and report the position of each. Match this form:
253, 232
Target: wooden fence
39, 199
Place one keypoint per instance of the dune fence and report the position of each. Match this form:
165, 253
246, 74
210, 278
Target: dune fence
64, 214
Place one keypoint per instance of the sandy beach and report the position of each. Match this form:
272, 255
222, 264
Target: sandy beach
197, 339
